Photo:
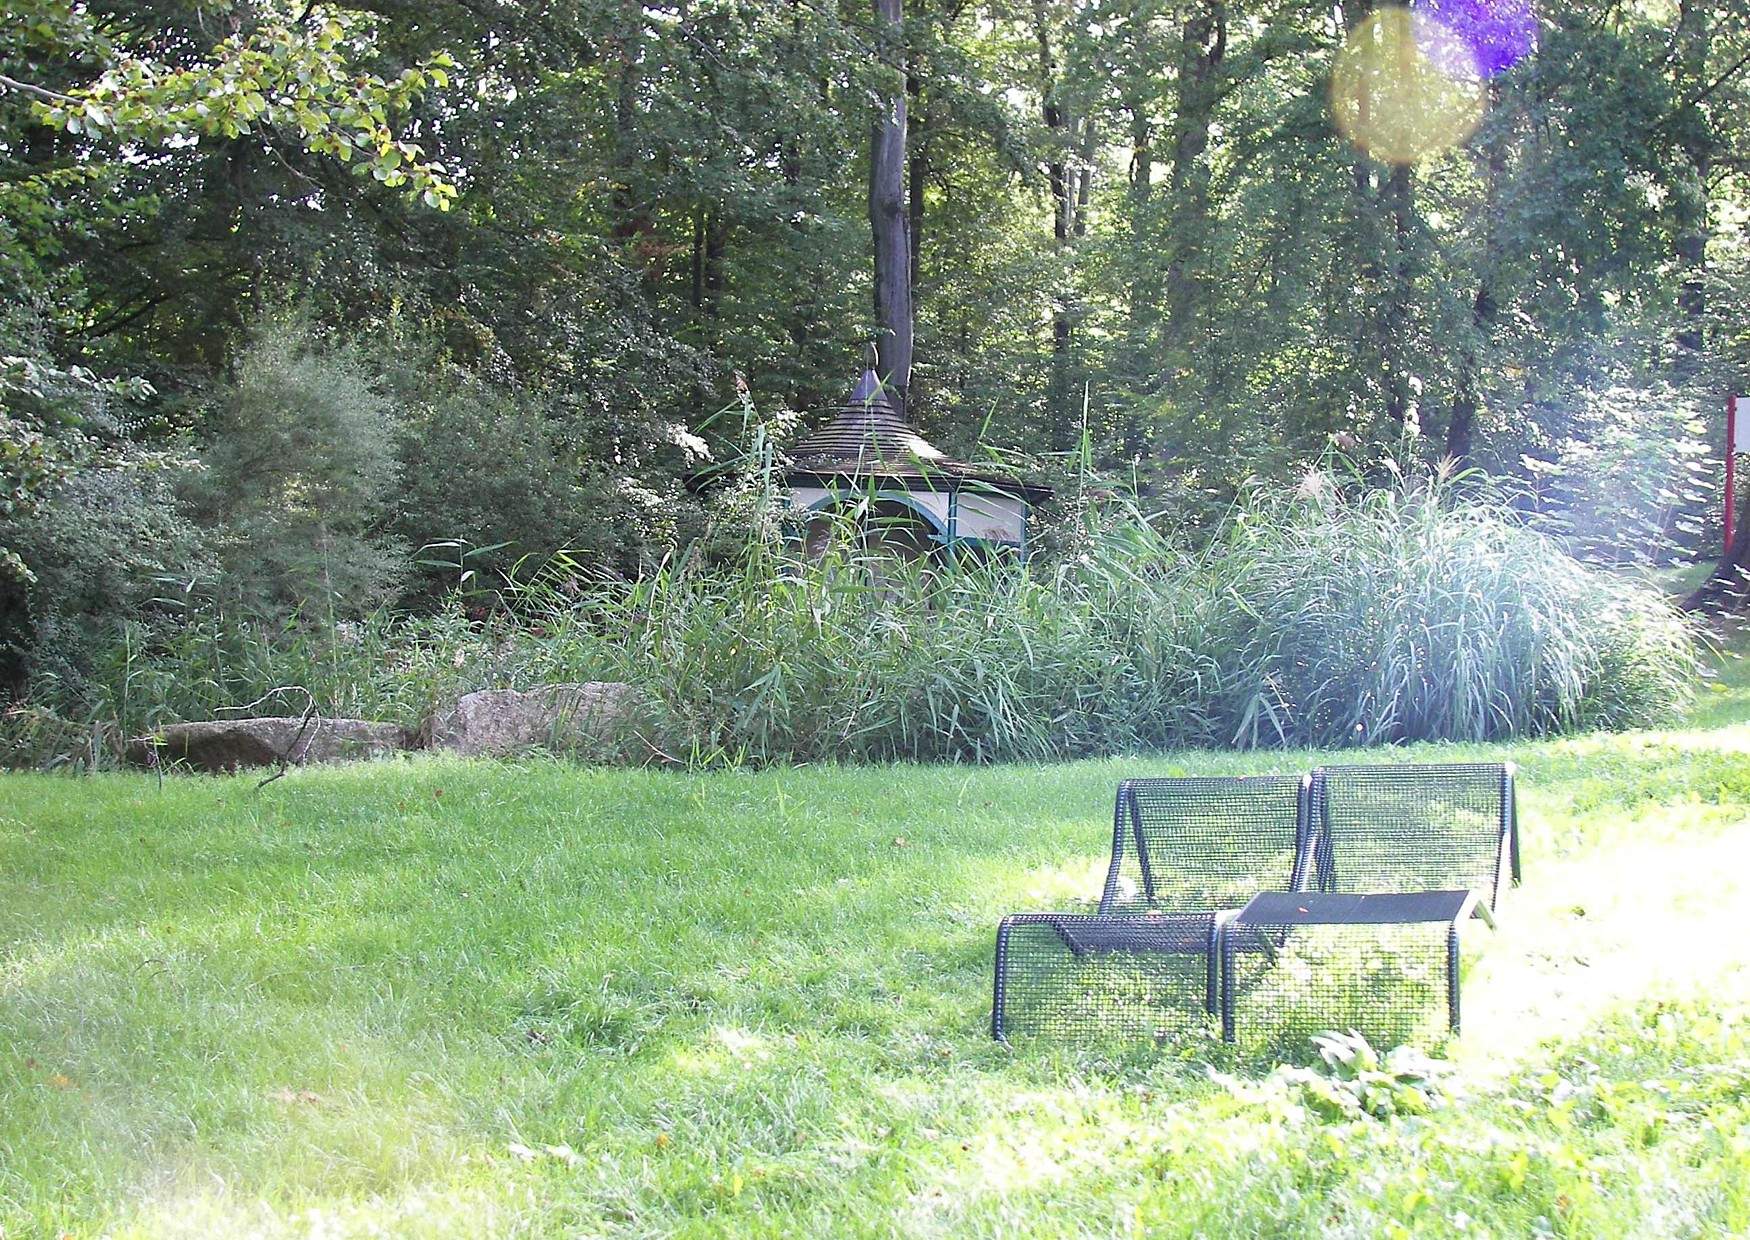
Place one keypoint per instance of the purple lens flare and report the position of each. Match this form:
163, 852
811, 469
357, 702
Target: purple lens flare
1498, 34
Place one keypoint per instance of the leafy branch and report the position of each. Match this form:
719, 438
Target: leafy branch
281, 76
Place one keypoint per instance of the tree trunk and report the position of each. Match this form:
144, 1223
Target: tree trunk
796, 314
918, 172
628, 221
1467, 395
1369, 269
715, 244
1352, 13
1142, 167
1085, 179
1060, 429
1395, 323
1467, 391
887, 214
1694, 42
1140, 311
1202, 47
696, 268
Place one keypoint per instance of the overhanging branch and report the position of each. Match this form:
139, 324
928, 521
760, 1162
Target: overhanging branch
41, 92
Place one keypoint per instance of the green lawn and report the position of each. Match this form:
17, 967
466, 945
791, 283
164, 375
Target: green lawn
457, 998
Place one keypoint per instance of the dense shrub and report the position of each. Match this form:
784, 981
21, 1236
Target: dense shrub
385, 666
1325, 619
1118, 650
299, 475
1328, 620
490, 480
1632, 479
102, 551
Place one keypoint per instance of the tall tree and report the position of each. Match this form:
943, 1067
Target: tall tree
1696, 145
1461, 425
888, 216
1067, 135
1202, 48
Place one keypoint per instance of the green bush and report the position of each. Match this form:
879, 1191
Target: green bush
101, 548
779, 661
32, 737
1632, 480
299, 475
386, 666
487, 476
1356, 1081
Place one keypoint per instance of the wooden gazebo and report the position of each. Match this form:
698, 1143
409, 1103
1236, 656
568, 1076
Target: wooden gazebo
911, 499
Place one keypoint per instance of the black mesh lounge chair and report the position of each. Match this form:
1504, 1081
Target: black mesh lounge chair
1144, 966
1300, 963
1422, 846
1402, 828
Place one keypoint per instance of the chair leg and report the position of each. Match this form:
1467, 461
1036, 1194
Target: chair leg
1452, 976
996, 1003
1212, 968
1224, 946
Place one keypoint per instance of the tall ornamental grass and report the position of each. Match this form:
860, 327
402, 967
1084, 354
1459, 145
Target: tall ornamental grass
1321, 619
1412, 614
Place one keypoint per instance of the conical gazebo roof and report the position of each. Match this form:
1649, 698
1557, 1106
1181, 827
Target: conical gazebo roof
868, 437
865, 434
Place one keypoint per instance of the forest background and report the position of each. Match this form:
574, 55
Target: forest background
313, 309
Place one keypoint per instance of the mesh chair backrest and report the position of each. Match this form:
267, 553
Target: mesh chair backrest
1414, 827
1196, 844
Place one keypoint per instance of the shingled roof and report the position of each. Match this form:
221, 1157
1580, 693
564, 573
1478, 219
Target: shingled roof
867, 436
866, 433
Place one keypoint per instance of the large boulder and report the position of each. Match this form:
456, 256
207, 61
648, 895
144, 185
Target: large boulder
558, 717
231, 744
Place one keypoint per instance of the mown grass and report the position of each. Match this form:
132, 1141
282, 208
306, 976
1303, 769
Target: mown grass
436, 997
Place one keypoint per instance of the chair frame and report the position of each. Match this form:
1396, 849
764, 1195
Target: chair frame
1130, 831
1129, 827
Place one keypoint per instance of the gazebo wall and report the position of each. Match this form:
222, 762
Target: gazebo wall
964, 515
990, 517
931, 506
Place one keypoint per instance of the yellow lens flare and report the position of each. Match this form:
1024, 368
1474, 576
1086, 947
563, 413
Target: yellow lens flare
1404, 87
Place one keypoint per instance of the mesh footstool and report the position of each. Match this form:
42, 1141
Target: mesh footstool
1295, 964
1088, 977
1144, 967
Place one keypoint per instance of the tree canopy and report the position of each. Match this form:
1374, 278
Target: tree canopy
536, 248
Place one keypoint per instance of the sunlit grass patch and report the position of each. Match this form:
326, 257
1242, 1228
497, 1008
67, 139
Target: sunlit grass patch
438, 997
